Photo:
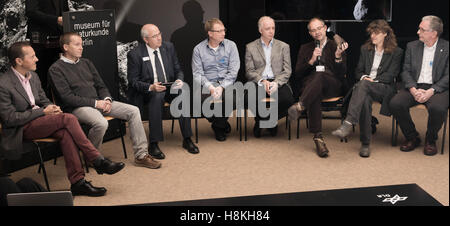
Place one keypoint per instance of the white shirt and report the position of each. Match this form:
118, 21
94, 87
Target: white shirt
152, 60
426, 73
376, 63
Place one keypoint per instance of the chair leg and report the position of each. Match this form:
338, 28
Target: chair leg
173, 122
393, 131
196, 131
41, 165
298, 128
245, 124
289, 128
239, 127
396, 133
237, 121
123, 142
443, 134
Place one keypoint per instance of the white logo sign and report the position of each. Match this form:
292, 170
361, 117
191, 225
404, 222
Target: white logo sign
392, 200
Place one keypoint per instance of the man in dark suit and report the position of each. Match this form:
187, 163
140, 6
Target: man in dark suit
27, 114
44, 28
321, 64
425, 74
149, 66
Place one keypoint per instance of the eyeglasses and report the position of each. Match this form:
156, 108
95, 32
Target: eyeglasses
157, 35
219, 31
421, 30
317, 29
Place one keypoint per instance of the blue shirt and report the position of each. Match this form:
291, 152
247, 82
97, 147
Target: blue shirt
210, 66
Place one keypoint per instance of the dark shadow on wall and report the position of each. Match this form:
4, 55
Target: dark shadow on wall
127, 31
187, 37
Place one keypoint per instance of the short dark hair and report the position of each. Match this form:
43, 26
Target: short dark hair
16, 51
65, 39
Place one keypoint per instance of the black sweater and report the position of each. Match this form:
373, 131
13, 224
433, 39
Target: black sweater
76, 85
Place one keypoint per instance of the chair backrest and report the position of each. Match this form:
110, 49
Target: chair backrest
54, 198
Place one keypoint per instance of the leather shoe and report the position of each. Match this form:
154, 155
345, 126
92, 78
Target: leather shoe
430, 149
410, 145
364, 151
228, 128
220, 134
321, 148
83, 187
190, 146
107, 166
155, 152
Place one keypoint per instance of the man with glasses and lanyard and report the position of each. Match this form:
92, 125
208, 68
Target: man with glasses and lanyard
321, 66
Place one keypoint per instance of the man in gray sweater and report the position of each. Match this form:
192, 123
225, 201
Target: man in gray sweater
82, 92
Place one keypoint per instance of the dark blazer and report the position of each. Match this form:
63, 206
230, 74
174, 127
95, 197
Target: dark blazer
388, 70
303, 69
140, 72
413, 65
16, 111
43, 15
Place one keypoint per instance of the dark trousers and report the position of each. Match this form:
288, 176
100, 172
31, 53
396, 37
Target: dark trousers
285, 100
360, 106
24, 185
316, 87
219, 123
67, 130
437, 107
155, 116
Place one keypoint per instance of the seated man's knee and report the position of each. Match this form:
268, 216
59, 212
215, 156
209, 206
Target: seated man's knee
100, 124
437, 109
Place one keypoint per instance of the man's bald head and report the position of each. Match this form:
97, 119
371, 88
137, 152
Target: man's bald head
151, 35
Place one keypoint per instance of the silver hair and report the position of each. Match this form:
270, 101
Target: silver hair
262, 19
144, 33
435, 24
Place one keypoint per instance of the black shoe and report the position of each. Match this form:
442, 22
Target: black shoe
155, 152
257, 130
220, 134
108, 167
274, 131
228, 128
190, 146
83, 187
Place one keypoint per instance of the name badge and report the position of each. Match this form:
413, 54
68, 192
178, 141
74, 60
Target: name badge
320, 68
145, 58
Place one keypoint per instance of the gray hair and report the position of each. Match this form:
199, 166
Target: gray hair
435, 24
262, 19
144, 33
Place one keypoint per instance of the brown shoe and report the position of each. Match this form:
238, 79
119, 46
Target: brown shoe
148, 162
321, 148
430, 149
410, 145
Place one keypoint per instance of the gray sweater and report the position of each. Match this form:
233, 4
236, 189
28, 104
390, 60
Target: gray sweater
76, 85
